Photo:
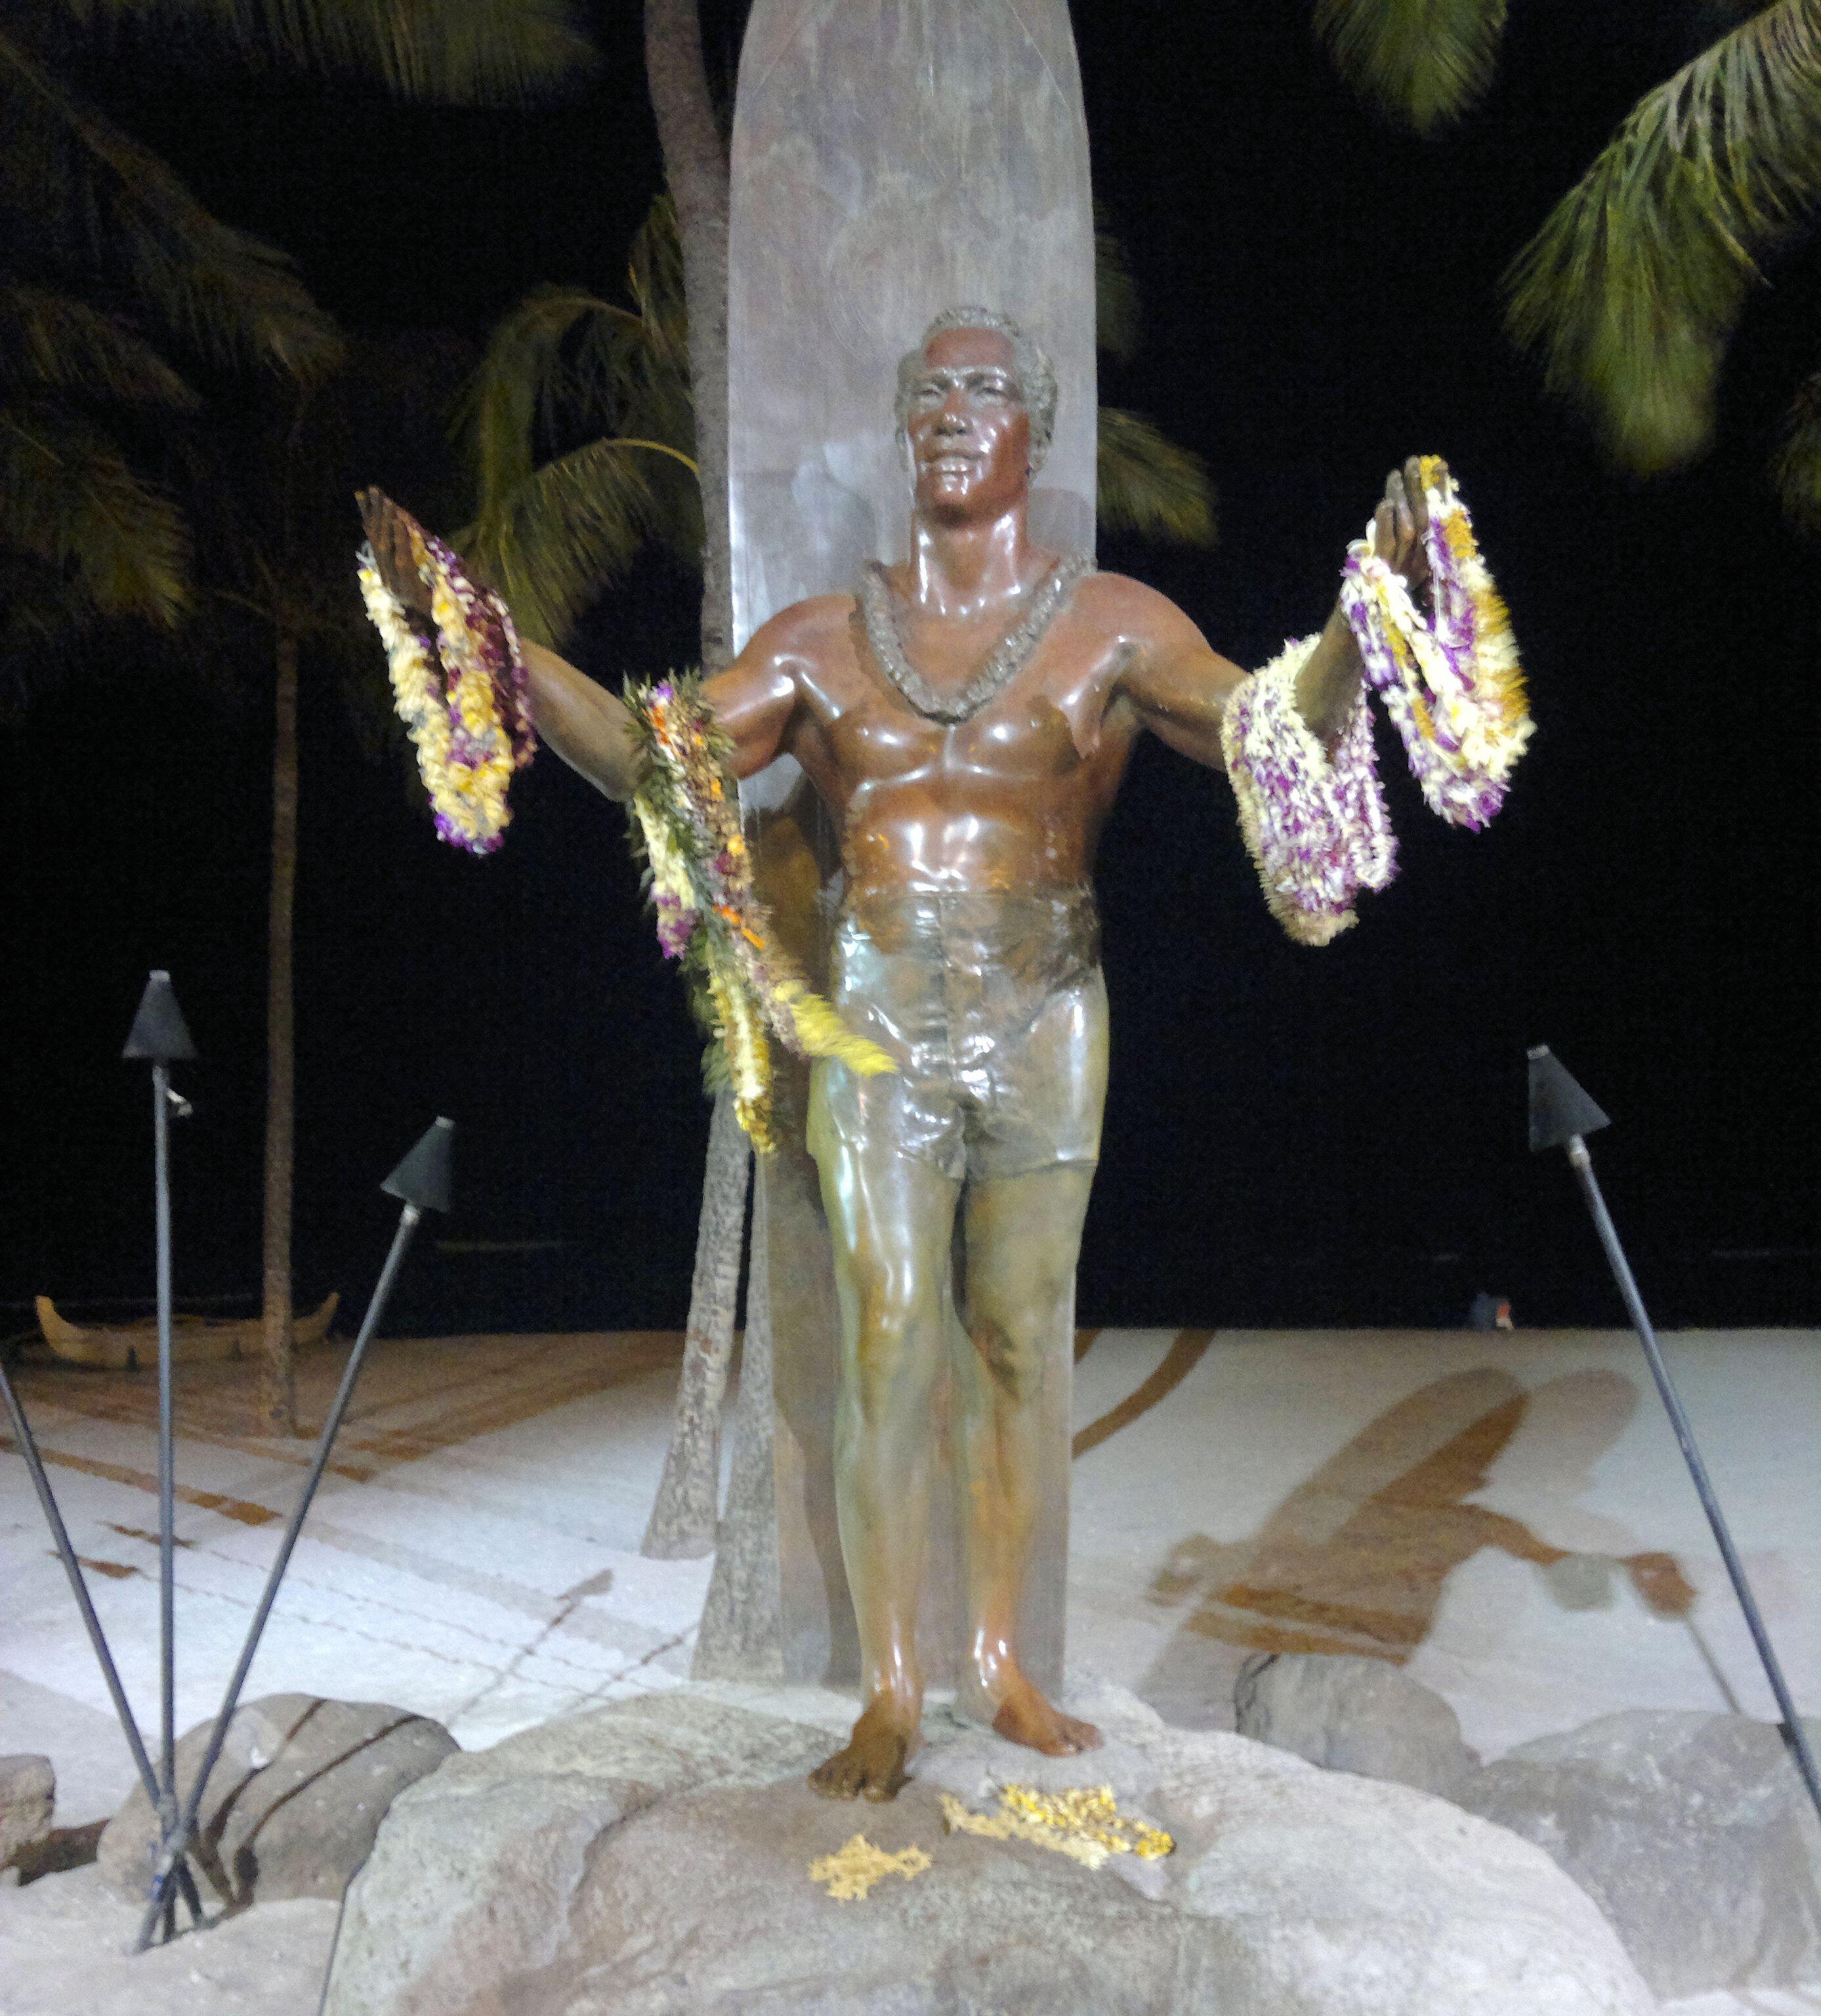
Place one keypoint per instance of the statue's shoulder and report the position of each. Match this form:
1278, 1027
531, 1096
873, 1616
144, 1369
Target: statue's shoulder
1124, 605
806, 626
802, 634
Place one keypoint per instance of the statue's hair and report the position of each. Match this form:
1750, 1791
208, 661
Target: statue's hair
1036, 375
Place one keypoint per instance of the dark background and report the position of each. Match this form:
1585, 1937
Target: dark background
1293, 1136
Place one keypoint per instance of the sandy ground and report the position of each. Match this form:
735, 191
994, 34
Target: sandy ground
1506, 1515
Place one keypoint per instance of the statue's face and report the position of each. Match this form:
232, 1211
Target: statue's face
969, 429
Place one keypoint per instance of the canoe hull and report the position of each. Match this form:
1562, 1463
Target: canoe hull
194, 1340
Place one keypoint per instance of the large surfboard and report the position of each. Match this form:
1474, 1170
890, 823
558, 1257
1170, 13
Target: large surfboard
890, 158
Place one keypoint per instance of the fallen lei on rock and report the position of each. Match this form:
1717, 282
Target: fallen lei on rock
1316, 826
466, 713
710, 917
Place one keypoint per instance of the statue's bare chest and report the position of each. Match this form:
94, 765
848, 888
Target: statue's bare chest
1044, 726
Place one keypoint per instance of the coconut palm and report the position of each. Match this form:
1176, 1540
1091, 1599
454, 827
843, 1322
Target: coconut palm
122, 301
1632, 290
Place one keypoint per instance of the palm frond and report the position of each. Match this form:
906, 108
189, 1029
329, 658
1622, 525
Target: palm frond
569, 529
654, 277
1633, 287
1115, 292
55, 340
96, 197
1420, 63
1796, 468
448, 51
69, 498
560, 349
1151, 485
44, 623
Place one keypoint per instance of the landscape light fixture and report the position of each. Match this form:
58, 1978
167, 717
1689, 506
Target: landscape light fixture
421, 1182
1562, 1114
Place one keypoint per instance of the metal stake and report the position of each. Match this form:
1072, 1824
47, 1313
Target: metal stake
422, 1180
160, 1037
166, 1461
1560, 1114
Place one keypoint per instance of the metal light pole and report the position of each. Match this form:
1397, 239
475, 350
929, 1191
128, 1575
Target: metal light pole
1561, 1115
421, 1182
160, 1037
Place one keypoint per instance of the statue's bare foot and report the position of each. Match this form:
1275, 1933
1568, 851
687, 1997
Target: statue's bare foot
1024, 1716
872, 1766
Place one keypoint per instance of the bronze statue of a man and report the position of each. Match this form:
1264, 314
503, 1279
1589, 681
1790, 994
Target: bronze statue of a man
966, 717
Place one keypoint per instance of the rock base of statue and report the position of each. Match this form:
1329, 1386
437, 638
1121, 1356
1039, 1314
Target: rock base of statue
656, 1856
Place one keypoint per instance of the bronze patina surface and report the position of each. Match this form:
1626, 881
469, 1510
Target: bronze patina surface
964, 847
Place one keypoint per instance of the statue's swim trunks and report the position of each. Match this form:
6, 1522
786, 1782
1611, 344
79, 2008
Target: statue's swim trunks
994, 1009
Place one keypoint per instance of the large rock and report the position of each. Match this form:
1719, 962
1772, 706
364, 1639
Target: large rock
1351, 1714
652, 1859
28, 1791
481, 1862
1691, 1832
294, 1801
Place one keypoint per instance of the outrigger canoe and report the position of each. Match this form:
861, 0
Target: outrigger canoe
192, 1338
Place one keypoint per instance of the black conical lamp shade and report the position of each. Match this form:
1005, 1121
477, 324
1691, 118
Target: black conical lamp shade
422, 1178
159, 1034
1559, 1108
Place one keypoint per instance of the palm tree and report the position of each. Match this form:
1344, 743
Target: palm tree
1632, 290
116, 289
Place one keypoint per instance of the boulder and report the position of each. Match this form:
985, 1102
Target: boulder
652, 1858
294, 1801
28, 1791
1351, 1714
1693, 1833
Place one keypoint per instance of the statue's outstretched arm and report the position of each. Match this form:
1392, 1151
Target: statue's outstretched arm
1295, 737
586, 724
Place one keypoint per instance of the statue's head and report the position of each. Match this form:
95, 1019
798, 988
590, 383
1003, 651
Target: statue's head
975, 408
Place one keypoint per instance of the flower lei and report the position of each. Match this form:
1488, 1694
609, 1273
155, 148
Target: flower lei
1316, 826
709, 914
467, 717
1317, 830
1452, 685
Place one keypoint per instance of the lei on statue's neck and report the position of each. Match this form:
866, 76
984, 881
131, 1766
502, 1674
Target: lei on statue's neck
469, 721
1316, 823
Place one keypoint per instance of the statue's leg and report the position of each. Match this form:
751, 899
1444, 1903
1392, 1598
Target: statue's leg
891, 1216
1023, 1235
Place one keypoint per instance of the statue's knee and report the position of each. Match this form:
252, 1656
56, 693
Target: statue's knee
1011, 1353
892, 1355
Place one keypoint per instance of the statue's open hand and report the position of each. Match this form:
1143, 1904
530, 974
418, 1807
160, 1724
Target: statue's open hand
389, 527
1402, 518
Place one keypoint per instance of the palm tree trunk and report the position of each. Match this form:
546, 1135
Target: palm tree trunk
741, 1637
695, 165
683, 1519
277, 1386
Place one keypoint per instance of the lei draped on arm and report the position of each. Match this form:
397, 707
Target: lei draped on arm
710, 917
1316, 825
465, 705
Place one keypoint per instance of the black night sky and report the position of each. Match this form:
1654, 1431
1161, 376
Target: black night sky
1293, 1136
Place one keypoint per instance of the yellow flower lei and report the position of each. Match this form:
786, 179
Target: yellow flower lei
466, 749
